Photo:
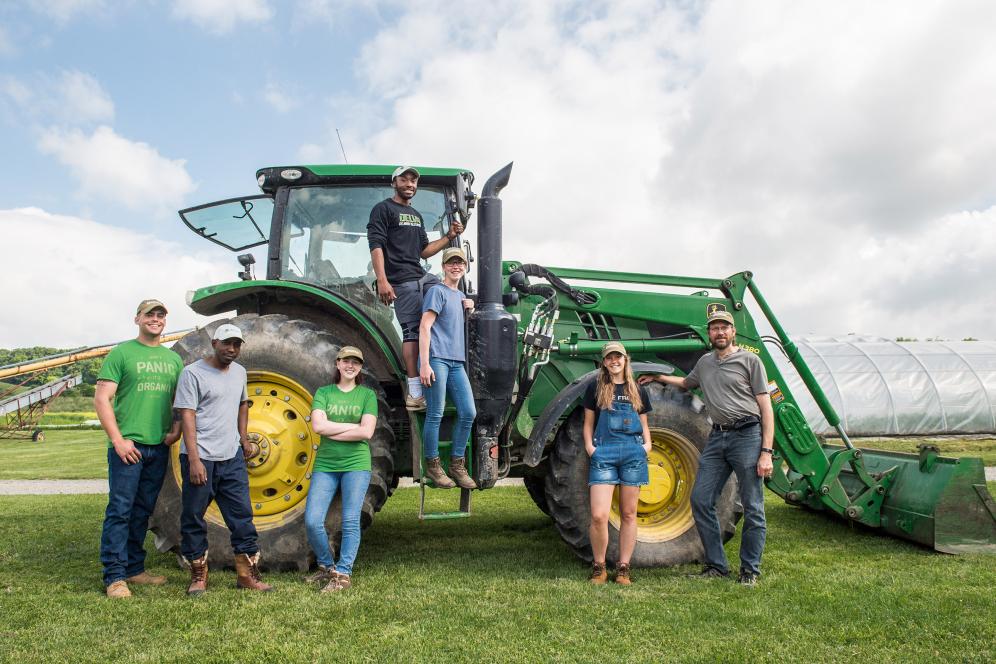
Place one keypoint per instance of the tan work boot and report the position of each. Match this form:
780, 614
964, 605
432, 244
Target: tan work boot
198, 576
146, 579
434, 471
622, 575
414, 404
598, 574
118, 590
247, 576
337, 583
458, 471
321, 575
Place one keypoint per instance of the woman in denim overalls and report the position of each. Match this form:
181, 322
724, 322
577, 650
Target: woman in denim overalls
617, 439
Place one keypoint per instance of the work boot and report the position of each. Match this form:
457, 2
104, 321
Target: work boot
247, 576
709, 572
321, 576
748, 578
146, 579
622, 574
458, 471
198, 576
414, 403
598, 574
118, 590
434, 471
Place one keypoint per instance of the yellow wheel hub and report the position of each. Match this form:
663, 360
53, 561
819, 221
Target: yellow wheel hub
664, 511
280, 431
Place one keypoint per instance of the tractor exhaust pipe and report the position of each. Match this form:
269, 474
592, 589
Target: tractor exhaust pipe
492, 334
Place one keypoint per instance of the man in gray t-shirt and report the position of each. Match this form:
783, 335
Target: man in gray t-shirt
735, 388
214, 415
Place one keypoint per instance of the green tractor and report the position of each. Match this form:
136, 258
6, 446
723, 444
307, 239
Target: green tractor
533, 346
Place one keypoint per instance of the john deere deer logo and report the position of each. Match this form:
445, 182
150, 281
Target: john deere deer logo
713, 307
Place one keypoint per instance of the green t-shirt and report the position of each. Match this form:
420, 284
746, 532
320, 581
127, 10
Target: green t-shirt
336, 456
146, 377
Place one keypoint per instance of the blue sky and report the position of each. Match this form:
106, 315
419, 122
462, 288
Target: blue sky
843, 151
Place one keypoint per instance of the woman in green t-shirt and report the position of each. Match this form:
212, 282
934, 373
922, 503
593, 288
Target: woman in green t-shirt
344, 414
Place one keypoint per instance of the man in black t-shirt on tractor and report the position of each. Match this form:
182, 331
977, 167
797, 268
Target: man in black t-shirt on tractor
398, 243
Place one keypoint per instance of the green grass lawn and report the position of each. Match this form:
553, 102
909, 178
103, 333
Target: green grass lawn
499, 586
66, 454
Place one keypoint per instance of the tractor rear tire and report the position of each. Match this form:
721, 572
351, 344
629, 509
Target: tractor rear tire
287, 361
666, 533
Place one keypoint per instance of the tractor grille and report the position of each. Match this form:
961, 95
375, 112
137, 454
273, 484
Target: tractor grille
598, 326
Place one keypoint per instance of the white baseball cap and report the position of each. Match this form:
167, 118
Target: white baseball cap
227, 331
401, 170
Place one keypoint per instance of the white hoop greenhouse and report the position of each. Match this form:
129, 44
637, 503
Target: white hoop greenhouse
881, 387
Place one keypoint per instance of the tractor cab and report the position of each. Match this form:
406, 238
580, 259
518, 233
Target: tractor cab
314, 221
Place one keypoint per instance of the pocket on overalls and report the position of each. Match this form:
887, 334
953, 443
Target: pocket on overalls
624, 421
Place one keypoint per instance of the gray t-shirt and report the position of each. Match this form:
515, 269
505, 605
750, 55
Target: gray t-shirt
215, 395
730, 384
446, 338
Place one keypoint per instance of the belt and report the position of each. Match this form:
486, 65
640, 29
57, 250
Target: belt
738, 425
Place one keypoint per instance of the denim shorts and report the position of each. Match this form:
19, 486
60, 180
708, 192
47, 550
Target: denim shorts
618, 463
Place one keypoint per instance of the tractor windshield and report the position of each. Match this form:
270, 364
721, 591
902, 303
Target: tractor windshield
324, 235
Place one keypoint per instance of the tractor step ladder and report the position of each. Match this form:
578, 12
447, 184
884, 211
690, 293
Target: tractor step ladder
423, 482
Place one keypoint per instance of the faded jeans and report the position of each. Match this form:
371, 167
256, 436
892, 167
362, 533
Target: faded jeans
324, 485
451, 378
726, 452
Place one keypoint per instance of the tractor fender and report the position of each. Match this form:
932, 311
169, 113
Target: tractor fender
550, 419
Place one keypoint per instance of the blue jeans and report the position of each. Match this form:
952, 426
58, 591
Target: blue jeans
726, 452
451, 378
228, 485
323, 488
133, 492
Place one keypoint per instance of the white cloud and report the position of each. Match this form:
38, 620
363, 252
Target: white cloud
221, 16
64, 10
71, 97
281, 100
111, 167
91, 279
831, 148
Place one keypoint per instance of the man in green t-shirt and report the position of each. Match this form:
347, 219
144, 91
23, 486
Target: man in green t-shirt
134, 402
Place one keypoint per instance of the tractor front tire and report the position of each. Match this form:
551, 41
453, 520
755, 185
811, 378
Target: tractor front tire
287, 360
666, 533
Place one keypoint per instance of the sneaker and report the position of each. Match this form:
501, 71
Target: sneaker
598, 574
337, 583
320, 576
709, 572
118, 590
146, 579
414, 403
748, 578
622, 575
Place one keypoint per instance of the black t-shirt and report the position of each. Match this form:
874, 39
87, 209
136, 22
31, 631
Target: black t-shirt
590, 400
399, 232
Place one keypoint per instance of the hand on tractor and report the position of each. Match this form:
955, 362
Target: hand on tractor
127, 452
455, 229
764, 466
426, 373
198, 474
646, 379
385, 291
249, 450
468, 304
171, 438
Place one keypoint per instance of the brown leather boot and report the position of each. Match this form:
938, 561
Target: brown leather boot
434, 471
118, 590
146, 579
458, 471
598, 574
247, 576
622, 574
198, 576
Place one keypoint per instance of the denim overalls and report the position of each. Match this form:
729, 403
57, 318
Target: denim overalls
619, 456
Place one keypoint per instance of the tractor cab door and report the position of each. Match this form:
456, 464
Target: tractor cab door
234, 223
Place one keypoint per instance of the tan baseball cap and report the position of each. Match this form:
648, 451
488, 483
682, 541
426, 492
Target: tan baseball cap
613, 347
145, 306
349, 351
722, 315
453, 252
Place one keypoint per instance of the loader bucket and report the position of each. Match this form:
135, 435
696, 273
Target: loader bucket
937, 501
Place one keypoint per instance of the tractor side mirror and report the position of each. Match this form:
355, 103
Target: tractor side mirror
465, 198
